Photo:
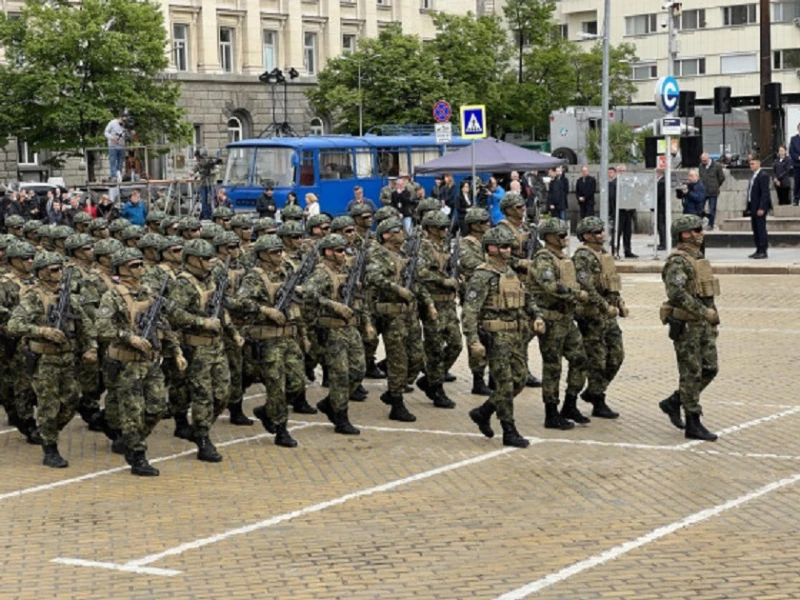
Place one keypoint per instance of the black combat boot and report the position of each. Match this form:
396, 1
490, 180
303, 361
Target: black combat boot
479, 387
206, 451
29, 429
283, 437
373, 371
533, 381
260, 413
52, 458
553, 420
93, 418
511, 436
343, 424
324, 376
399, 411
672, 408
359, 394
237, 415
449, 377
439, 397
326, 409
408, 389
301, 406
482, 417
570, 410
600, 409
118, 446
695, 430
182, 428
422, 383
383, 365
140, 466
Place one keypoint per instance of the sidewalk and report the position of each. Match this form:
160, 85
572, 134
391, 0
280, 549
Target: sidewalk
724, 260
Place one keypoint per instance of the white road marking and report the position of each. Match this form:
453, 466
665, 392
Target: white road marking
624, 548
134, 565
746, 425
2, 431
79, 562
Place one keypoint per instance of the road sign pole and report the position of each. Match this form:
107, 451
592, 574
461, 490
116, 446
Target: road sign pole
668, 139
473, 173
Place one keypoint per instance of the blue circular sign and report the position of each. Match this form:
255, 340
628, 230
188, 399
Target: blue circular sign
667, 94
441, 112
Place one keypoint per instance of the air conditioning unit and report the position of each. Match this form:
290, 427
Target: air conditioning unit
797, 21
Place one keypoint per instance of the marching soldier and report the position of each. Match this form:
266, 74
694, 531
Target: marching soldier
292, 213
317, 227
153, 221
15, 225
362, 214
693, 319
189, 228
222, 216
130, 236
116, 227
243, 228
169, 225
98, 229
602, 338
30, 232
292, 234
497, 310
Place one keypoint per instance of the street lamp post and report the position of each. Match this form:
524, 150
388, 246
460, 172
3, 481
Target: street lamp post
604, 123
360, 99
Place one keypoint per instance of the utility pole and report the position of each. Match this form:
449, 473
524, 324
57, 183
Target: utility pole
604, 123
671, 55
765, 134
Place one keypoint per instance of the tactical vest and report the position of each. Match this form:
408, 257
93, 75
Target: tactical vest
510, 294
204, 338
610, 280
268, 331
565, 268
705, 284
338, 280
134, 308
395, 306
272, 290
48, 299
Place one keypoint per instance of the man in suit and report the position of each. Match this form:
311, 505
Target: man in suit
794, 152
585, 189
556, 196
661, 210
758, 203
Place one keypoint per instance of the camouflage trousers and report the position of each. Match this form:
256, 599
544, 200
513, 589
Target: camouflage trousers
7, 386
208, 381
443, 341
110, 369
142, 398
279, 366
505, 354
236, 367
415, 351
57, 392
402, 341
561, 339
177, 390
602, 342
344, 355
371, 346
696, 352
22, 368
89, 381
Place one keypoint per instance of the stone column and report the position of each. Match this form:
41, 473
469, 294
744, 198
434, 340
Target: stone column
208, 39
252, 56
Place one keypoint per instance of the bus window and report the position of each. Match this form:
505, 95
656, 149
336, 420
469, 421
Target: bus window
273, 165
365, 162
238, 170
420, 156
389, 161
336, 164
307, 168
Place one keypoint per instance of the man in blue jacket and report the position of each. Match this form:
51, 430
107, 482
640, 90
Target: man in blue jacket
794, 152
693, 194
134, 209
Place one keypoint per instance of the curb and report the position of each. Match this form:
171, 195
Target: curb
654, 266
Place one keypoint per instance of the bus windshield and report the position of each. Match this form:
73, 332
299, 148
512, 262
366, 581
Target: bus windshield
269, 165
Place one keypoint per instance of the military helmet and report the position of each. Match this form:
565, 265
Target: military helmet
77, 241
226, 237
98, 224
386, 212
241, 222
120, 257
20, 249
150, 240
476, 215
685, 223
388, 225
117, 225
291, 228
211, 231
342, 222
552, 225
80, 218
316, 221
589, 224
155, 216
199, 248
435, 218
332, 240
360, 208
131, 232
222, 212
188, 223
31, 227
427, 204
168, 222
45, 230
17, 221
264, 223
60, 232
497, 236
292, 213
509, 200
106, 247
6, 239
46, 259
267, 242
169, 241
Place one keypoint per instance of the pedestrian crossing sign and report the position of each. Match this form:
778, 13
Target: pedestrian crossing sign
473, 121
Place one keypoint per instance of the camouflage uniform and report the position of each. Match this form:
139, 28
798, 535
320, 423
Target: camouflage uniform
362, 217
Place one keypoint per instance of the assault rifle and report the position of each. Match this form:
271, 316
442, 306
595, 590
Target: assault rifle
451, 244
533, 244
409, 274
355, 276
147, 321
217, 302
285, 293
60, 313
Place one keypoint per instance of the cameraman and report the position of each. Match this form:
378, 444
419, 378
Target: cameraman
693, 194
206, 171
116, 133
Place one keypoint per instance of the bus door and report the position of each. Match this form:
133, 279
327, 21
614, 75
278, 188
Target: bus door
337, 177
306, 175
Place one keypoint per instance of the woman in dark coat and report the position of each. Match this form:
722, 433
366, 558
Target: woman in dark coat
782, 176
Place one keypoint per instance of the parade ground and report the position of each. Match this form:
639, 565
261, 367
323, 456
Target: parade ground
432, 509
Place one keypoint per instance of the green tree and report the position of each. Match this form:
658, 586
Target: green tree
71, 68
621, 143
587, 70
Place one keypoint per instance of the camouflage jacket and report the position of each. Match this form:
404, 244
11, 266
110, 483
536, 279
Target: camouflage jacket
470, 256
12, 286
680, 281
318, 290
383, 277
588, 273
254, 293
236, 272
189, 310
432, 266
549, 291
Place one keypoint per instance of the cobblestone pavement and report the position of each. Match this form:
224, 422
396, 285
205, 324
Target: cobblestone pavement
626, 508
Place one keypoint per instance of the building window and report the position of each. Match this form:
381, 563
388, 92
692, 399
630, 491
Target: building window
310, 53
26, 157
645, 71
563, 31
738, 63
688, 67
270, 40
226, 49
589, 27
640, 24
742, 14
348, 43
782, 12
426, 4
691, 19
786, 59
180, 46
197, 135
235, 130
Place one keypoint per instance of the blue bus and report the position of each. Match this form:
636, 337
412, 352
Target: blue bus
328, 166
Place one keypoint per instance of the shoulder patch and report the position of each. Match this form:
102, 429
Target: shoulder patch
679, 278
471, 295
548, 275
104, 311
583, 275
